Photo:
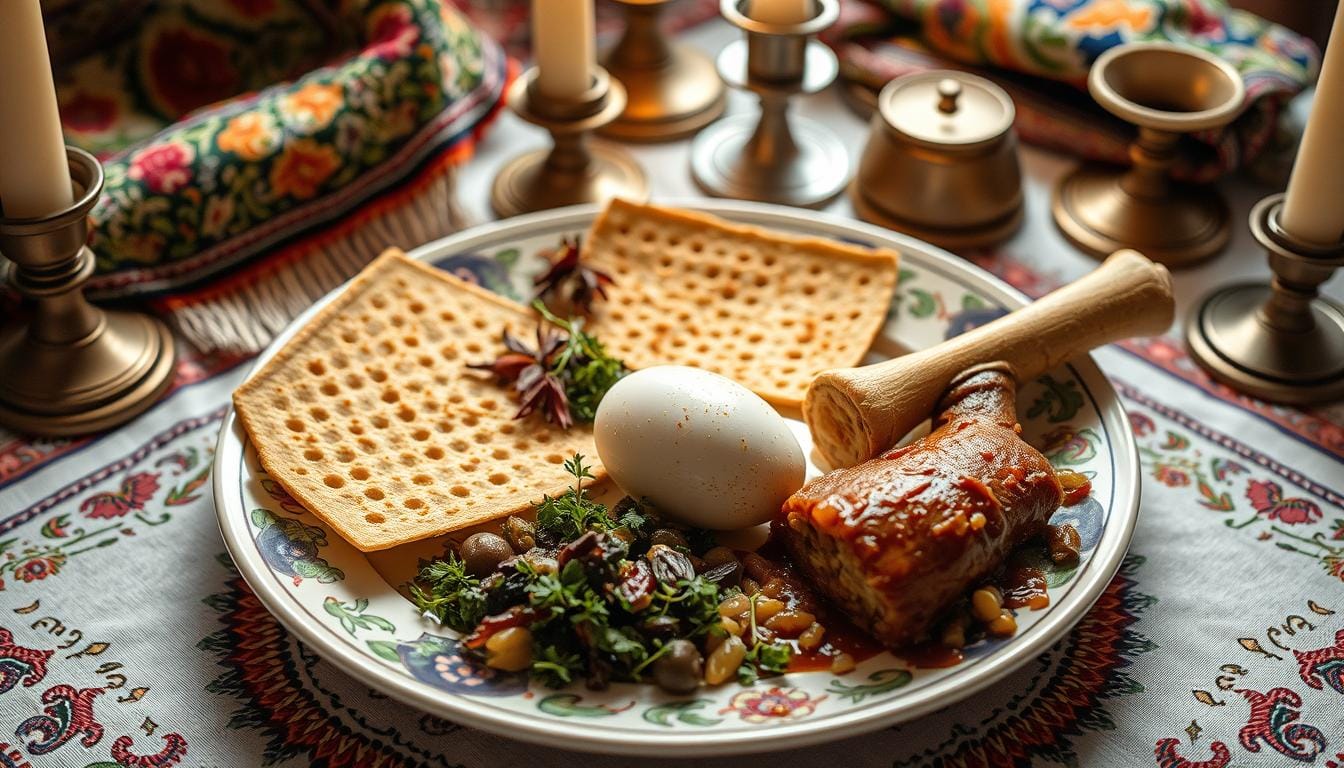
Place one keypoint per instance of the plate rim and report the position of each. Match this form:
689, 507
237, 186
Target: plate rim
1091, 582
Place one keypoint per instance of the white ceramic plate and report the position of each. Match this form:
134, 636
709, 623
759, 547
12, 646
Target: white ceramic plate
345, 604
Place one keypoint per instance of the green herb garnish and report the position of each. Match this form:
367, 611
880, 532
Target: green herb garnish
564, 375
450, 594
571, 514
762, 655
598, 599
583, 366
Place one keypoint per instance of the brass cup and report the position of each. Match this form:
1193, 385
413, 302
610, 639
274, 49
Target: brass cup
672, 90
74, 368
1166, 90
573, 170
955, 194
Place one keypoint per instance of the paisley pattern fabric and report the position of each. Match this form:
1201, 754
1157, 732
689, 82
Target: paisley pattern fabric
230, 131
1027, 44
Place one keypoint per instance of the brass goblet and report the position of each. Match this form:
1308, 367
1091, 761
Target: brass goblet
1167, 90
672, 90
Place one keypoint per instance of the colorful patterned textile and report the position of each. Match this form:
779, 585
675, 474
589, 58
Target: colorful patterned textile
222, 170
1032, 46
128, 639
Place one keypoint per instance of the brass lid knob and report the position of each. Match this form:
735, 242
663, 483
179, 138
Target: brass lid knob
948, 92
946, 110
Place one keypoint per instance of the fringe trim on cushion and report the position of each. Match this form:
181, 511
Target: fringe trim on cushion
244, 318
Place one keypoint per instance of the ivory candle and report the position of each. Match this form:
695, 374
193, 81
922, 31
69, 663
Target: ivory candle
34, 174
563, 46
1313, 208
780, 11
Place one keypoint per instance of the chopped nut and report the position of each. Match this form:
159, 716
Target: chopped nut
811, 638
986, 604
735, 606
723, 662
790, 622
841, 663
766, 608
1003, 626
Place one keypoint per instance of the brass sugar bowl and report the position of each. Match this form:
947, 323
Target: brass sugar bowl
941, 163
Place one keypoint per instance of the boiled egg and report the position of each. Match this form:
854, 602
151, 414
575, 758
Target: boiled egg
703, 449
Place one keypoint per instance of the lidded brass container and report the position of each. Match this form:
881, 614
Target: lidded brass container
941, 162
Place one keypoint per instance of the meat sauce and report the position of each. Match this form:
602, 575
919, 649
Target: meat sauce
1022, 586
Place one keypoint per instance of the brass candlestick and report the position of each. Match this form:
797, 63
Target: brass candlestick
572, 171
671, 89
73, 368
771, 157
1167, 90
1280, 342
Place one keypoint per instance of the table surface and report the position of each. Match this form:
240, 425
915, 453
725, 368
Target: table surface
125, 632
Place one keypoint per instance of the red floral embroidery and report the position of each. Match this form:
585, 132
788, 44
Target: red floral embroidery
1274, 722
1142, 423
38, 568
189, 69
1168, 757
11, 757
165, 168
20, 665
174, 749
67, 713
136, 490
88, 113
392, 32
1323, 666
253, 8
1267, 498
1171, 477
1202, 22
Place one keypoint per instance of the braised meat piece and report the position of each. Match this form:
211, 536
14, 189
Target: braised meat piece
896, 540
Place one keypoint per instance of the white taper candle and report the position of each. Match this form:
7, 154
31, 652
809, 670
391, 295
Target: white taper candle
563, 46
1313, 208
34, 174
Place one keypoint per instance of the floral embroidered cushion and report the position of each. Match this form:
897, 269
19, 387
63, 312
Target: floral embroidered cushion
245, 138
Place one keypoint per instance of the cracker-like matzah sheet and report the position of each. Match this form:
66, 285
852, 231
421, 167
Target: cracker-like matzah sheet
766, 309
370, 418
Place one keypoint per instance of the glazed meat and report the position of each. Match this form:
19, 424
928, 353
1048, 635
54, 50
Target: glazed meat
896, 540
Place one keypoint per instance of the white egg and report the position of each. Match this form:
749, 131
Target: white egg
703, 449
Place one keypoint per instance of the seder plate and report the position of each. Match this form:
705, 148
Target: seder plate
345, 604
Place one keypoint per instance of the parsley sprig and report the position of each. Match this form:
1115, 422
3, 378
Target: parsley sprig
762, 655
607, 605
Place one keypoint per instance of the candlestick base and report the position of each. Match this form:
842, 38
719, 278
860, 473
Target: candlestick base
572, 171
772, 157
672, 89
534, 182
1279, 342
1094, 211
1167, 90
732, 159
91, 384
73, 368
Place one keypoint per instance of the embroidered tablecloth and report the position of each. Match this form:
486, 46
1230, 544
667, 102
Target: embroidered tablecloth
128, 639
